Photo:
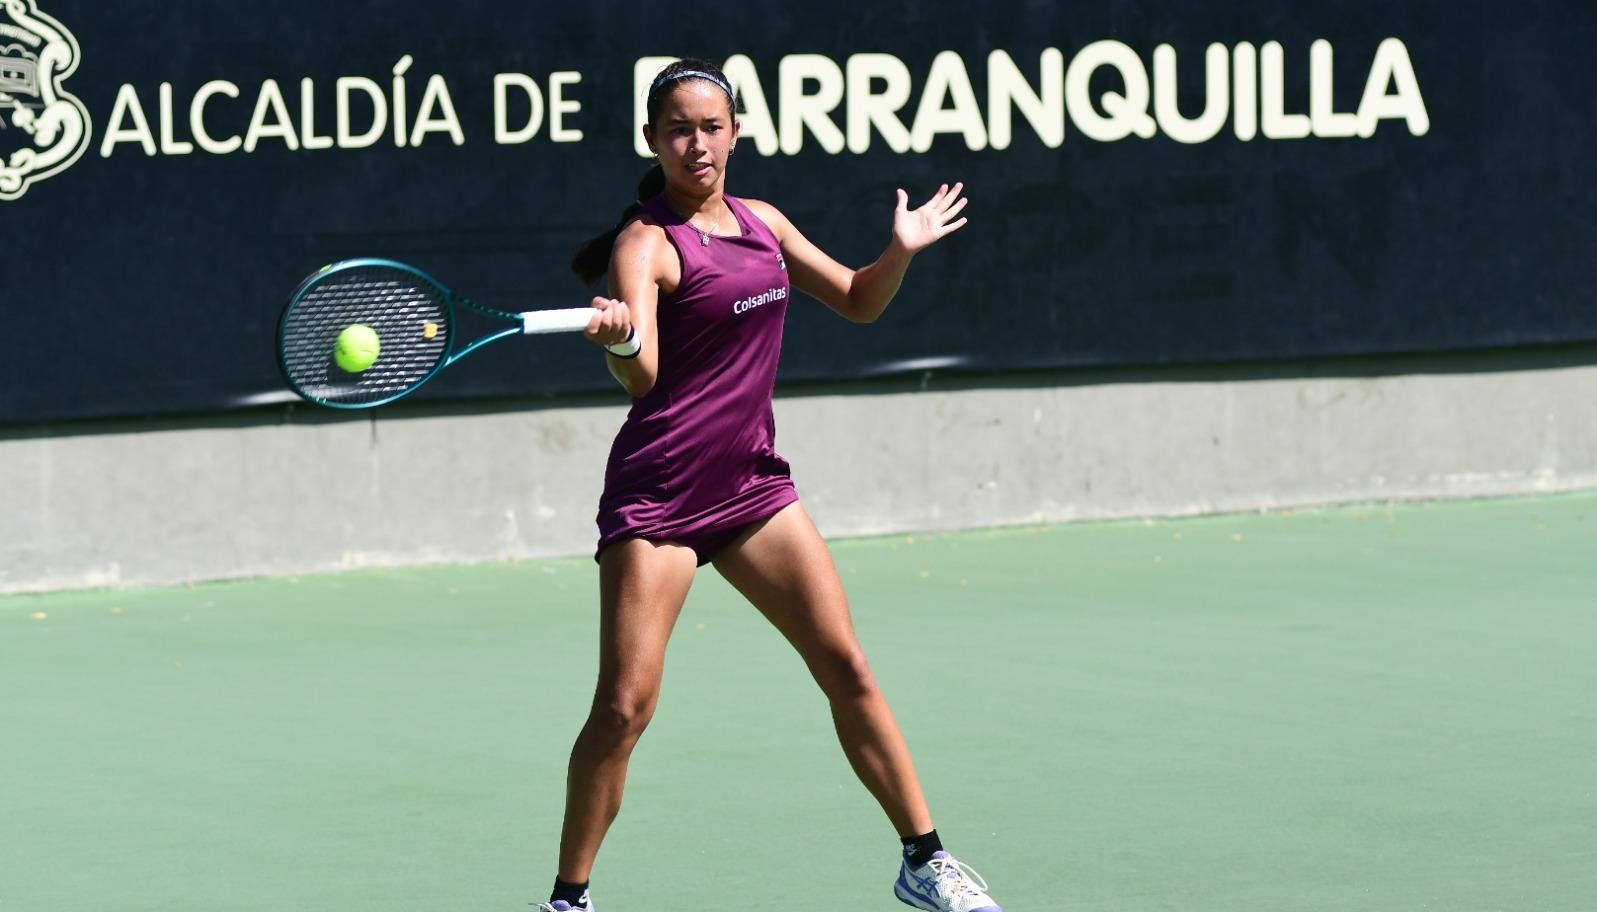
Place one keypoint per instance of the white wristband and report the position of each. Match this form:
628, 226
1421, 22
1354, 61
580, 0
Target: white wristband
629, 348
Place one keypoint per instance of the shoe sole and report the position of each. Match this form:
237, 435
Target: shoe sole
920, 902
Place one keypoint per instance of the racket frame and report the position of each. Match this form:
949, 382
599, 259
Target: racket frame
527, 323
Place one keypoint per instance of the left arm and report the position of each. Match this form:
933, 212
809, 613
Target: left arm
861, 295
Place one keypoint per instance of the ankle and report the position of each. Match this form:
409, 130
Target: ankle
918, 850
574, 893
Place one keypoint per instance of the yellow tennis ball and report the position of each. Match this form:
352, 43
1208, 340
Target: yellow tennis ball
356, 348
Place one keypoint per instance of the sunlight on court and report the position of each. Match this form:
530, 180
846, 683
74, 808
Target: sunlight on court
1344, 709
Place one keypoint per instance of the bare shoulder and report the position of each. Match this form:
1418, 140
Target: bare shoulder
769, 214
641, 237
643, 250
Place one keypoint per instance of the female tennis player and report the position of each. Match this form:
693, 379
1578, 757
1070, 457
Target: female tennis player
701, 280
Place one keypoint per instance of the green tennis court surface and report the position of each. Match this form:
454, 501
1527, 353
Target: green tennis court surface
1356, 709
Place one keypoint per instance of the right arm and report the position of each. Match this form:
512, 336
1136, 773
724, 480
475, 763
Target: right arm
639, 264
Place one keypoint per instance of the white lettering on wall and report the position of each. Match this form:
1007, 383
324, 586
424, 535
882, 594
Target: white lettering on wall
820, 105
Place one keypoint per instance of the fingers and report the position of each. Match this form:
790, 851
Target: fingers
945, 198
600, 305
953, 194
611, 323
932, 221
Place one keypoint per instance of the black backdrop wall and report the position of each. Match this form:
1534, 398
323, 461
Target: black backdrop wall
1152, 182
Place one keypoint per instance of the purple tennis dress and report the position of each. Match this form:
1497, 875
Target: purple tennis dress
696, 461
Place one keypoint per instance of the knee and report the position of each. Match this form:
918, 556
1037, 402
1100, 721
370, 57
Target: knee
845, 675
618, 720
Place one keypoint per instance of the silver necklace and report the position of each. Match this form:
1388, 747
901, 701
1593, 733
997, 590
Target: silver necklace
704, 236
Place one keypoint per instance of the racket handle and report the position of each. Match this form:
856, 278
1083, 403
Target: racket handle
553, 321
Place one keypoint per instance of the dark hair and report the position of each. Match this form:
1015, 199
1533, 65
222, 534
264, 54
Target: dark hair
591, 260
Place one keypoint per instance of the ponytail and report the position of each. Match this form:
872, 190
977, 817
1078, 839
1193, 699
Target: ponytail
591, 260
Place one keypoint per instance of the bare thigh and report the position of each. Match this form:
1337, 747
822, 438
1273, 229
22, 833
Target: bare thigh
784, 568
642, 587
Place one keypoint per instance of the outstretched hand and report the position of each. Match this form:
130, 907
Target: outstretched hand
917, 229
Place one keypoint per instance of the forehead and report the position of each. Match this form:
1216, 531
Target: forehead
694, 99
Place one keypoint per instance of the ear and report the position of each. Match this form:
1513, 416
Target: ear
737, 130
648, 138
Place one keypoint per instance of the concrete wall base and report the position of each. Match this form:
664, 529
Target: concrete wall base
295, 490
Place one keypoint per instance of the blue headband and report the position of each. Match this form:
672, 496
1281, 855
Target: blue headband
693, 74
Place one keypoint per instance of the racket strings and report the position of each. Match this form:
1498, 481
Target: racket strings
411, 319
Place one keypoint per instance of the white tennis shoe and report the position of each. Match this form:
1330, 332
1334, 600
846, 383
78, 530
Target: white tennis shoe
943, 884
560, 905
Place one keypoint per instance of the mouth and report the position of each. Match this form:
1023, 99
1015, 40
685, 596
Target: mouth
699, 167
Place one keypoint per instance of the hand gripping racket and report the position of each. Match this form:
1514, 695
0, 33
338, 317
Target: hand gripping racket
413, 317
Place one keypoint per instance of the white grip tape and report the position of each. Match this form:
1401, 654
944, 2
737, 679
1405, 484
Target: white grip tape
573, 319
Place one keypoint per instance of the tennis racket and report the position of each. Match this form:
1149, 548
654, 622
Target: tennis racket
413, 316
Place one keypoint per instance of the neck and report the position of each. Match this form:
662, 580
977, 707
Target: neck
688, 205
